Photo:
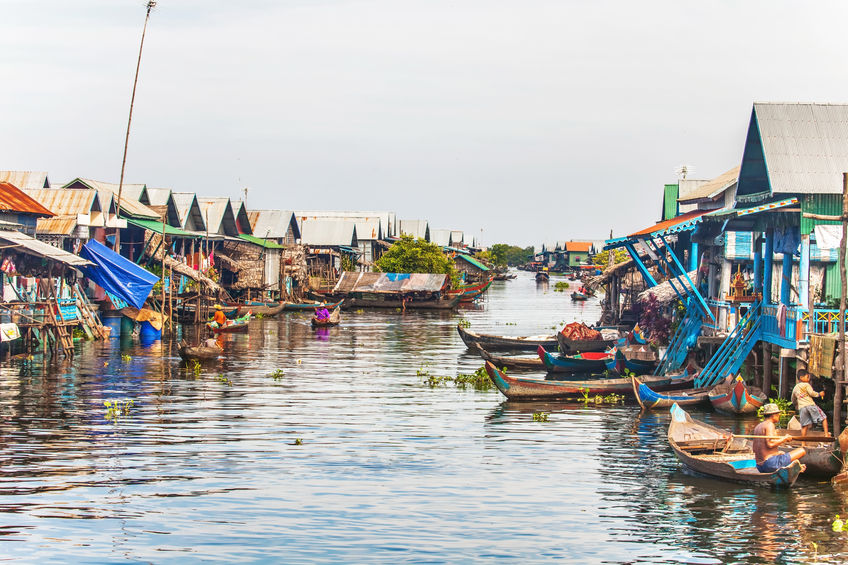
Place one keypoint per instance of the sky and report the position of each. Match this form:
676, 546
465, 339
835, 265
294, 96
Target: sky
517, 121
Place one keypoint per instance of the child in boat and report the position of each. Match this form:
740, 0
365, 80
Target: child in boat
808, 413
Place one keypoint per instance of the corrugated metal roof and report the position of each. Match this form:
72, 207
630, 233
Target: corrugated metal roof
34, 247
158, 196
711, 189
578, 246
66, 202
440, 237
418, 229
328, 233
687, 219
64, 225
130, 194
390, 282
457, 237
367, 227
242, 220
13, 199
472, 260
273, 224
25, 179
218, 215
189, 211
805, 146
388, 220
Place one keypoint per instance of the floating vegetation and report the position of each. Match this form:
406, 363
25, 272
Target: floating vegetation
77, 333
478, 380
540, 416
839, 525
433, 381
259, 316
126, 358
277, 375
600, 399
224, 380
560, 286
297, 441
193, 367
511, 323
463, 323
117, 408
359, 311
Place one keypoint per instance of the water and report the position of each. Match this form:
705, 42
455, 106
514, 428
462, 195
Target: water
389, 469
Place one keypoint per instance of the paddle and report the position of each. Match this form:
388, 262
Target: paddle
794, 438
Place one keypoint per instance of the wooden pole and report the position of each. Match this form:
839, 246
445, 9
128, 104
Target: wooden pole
840, 383
164, 254
150, 5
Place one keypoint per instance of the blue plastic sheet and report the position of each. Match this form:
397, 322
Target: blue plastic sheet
117, 275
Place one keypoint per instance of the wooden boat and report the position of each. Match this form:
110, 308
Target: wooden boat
504, 276
716, 453
470, 292
302, 306
589, 362
491, 342
510, 362
237, 325
334, 319
619, 363
737, 398
823, 458
649, 399
380, 300
198, 353
517, 388
542, 276
570, 346
578, 296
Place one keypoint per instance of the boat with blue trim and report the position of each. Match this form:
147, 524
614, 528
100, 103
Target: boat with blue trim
589, 362
735, 397
649, 399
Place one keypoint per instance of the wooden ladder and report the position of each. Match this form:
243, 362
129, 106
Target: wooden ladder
60, 330
90, 323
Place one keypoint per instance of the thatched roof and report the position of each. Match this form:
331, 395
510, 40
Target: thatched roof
664, 292
615, 270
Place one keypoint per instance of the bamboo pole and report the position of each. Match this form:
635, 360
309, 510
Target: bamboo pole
164, 254
150, 6
840, 383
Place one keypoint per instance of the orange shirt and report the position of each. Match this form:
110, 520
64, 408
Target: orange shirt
220, 318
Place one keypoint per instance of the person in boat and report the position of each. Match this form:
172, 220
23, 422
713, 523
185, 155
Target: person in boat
802, 396
322, 314
212, 342
769, 458
219, 318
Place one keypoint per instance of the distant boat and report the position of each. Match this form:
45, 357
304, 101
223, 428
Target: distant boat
334, 319
470, 292
542, 276
198, 353
237, 325
578, 296
301, 306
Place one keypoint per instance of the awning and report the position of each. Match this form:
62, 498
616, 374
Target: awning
117, 274
155, 226
684, 222
736, 212
32, 246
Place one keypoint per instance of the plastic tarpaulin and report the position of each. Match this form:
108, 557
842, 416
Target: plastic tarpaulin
117, 275
390, 282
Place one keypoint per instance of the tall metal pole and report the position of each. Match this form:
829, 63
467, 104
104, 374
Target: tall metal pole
150, 5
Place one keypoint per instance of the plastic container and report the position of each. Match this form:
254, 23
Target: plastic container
127, 326
148, 332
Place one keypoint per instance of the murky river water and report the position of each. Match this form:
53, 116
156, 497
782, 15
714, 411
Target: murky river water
389, 470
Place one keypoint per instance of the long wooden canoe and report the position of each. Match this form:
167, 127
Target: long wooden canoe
198, 353
301, 306
737, 398
714, 452
334, 319
517, 388
491, 342
510, 362
380, 300
649, 399
619, 363
237, 325
542, 276
471, 292
589, 362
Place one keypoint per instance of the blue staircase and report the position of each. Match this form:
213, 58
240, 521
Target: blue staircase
683, 339
734, 349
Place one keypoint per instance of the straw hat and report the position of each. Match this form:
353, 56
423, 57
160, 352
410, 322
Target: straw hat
217, 307
770, 409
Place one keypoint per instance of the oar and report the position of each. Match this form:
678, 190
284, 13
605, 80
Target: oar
794, 438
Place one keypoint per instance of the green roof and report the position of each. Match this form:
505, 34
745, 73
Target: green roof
261, 242
473, 261
157, 227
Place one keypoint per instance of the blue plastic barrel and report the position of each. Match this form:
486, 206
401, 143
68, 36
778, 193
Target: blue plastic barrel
148, 332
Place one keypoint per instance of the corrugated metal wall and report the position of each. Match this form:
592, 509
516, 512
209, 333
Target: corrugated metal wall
832, 282
827, 204
670, 206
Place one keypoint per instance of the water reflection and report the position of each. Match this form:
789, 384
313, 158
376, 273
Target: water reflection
208, 465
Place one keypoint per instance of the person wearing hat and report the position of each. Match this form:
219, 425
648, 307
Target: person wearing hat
769, 457
220, 318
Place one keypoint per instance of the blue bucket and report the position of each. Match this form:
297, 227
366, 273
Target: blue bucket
149, 333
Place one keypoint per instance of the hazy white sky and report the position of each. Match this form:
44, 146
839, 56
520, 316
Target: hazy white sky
521, 121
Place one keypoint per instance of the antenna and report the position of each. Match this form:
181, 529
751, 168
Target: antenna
682, 171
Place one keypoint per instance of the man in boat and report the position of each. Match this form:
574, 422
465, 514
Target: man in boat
219, 318
769, 457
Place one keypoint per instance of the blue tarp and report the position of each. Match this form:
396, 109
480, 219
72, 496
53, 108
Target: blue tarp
117, 275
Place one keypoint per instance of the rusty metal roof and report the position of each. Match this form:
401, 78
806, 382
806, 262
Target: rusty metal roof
56, 226
13, 199
25, 179
66, 202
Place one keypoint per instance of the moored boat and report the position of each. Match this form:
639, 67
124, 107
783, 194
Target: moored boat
578, 296
492, 342
510, 362
470, 292
542, 276
377, 300
736, 397
589, 362
619, 363
517, 388
569, 346
714, 452
302, 306
649, 399
197, 353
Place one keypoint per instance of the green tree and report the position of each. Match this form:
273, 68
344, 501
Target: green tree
410, 255
602, 258
504, 254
